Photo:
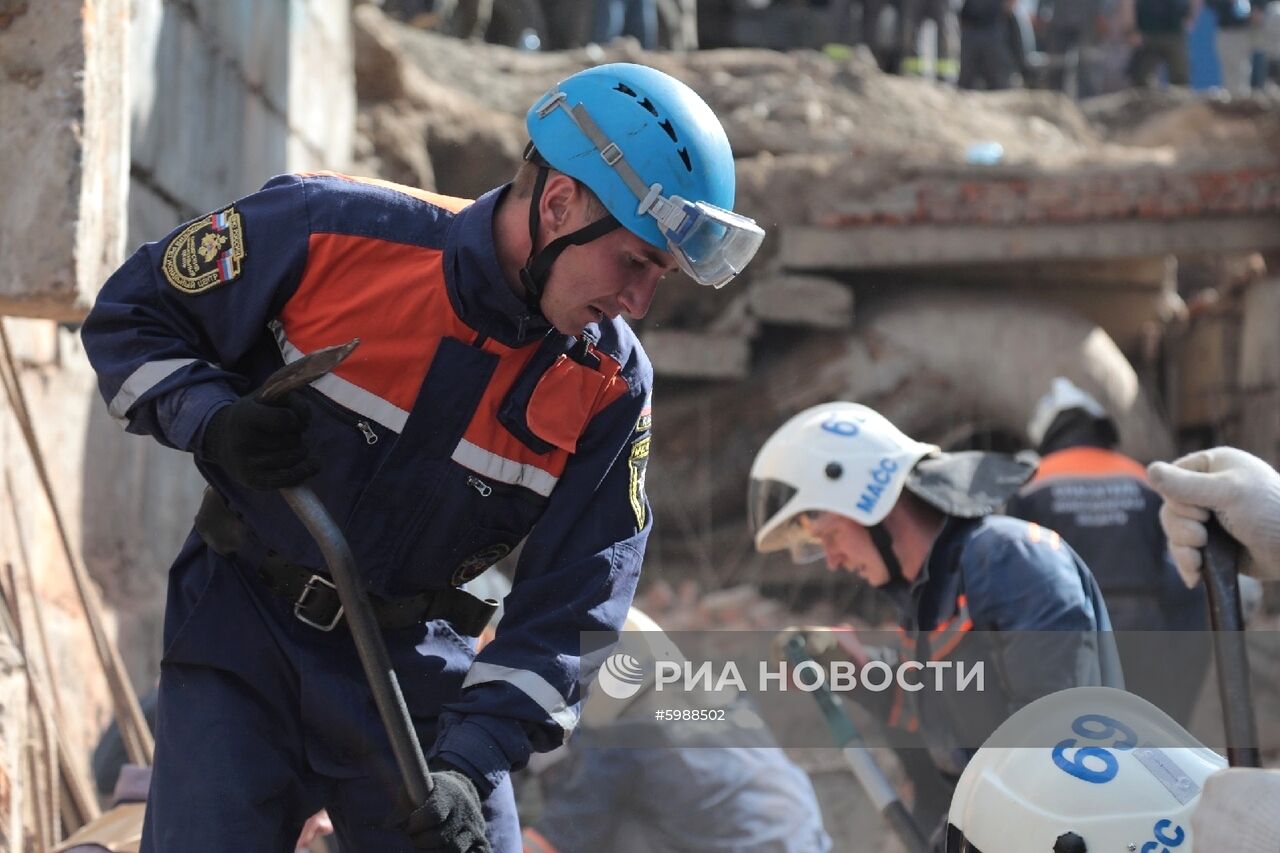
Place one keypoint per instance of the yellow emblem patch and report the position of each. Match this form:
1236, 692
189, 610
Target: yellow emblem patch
639, 463
206, 253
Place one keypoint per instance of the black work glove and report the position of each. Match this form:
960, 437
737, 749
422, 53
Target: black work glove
260, 444
450, 820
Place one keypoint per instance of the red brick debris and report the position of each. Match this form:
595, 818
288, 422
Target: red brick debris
1142, 194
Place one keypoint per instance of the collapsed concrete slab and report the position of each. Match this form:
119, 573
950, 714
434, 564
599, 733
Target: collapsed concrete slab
64, 153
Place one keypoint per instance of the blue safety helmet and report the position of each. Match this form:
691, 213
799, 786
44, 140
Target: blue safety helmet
656, 156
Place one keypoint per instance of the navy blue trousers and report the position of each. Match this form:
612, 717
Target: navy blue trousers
264, 720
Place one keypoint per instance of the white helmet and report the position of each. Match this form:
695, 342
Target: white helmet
1084, 770
1063, 395
836, 457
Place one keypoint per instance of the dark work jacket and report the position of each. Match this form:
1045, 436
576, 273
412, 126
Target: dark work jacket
1100, 502
981, 13
1015, 597
1162, 17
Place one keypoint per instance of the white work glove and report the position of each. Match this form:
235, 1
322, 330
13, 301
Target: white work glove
1239, 811
1241, 489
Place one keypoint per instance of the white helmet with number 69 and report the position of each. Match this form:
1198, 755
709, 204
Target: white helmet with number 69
1084, 770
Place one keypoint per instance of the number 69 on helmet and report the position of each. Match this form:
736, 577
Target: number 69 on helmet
1084, 770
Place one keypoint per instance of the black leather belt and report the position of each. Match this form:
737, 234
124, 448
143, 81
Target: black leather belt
315, 598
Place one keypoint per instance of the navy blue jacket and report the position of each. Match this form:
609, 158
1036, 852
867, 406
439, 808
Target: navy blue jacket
1015, 597
1100, 502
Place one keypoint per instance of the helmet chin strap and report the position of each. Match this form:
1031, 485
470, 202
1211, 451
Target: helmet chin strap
883, 540
537, 268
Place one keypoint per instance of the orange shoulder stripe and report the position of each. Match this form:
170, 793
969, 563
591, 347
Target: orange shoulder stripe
355, 287
536, 842
1088, 462
448, 202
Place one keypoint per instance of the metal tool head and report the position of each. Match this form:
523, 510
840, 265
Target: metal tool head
305, 370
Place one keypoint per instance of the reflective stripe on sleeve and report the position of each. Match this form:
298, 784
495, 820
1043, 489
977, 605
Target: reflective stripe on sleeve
142, 380
530, 684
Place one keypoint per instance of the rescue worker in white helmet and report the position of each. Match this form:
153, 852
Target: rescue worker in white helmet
840, 481
1085, 770
1100, 501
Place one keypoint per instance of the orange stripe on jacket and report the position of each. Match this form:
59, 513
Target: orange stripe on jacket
536, 842
953, 640
355, 287
448, 202
392, 296
962, 604
951, 633
486, 431
1088, 462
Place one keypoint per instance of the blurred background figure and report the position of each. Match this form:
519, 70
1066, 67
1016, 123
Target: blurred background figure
926, 40
862, 26
636, 18
700, 786
1071, 31
1099, 500
986, 57
1241, 34
1266, 60
1158, 32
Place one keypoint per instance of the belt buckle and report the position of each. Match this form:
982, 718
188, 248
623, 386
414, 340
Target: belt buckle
314, 583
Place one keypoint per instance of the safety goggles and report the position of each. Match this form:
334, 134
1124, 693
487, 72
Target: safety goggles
710, 244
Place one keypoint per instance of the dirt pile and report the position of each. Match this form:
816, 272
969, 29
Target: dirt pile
815, 138
808, 130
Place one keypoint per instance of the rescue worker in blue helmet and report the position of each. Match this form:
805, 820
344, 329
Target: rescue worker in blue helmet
498, 397
839, 481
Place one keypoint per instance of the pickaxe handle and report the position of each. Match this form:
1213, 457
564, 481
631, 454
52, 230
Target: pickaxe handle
869, 775
356, 606
1226, 618
358, 611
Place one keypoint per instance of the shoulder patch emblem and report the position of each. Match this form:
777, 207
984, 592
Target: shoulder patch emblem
639, 463
206, 253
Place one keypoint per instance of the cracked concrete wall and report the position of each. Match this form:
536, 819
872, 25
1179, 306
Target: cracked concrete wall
225, 95
63, 152
213, 100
